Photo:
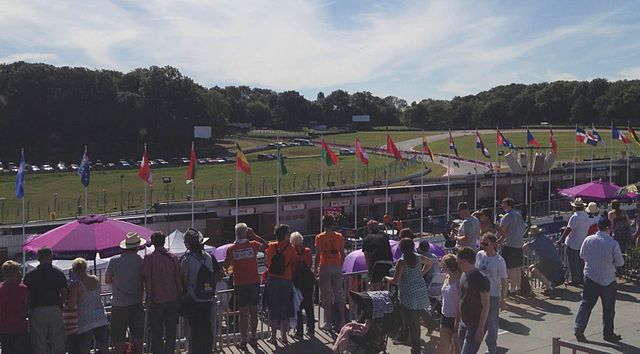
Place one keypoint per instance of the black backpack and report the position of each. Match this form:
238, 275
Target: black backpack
303, 277
277, 266
206, 280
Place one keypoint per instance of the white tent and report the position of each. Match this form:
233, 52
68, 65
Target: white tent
175, 244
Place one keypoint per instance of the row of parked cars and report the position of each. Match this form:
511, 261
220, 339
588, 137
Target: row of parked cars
12, 167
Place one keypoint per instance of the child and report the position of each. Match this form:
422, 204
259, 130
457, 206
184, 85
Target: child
13, 310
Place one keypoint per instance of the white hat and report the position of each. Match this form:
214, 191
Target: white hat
577, 203
132, 240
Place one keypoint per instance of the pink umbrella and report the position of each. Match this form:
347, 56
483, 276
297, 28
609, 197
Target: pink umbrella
221, 252
354, 262
86, 237
596, 191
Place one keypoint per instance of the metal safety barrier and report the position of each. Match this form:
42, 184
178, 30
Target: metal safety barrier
558, 344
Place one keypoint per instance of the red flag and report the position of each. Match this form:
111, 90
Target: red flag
552, 141
426, 149
361, 153
193, 163
392, 149
328, 155
145, 169
242, 164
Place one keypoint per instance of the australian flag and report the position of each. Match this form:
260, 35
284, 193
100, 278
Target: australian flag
84, 171
20, 178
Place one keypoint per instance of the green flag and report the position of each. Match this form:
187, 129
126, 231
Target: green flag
283, 168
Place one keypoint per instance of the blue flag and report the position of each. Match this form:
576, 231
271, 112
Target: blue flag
84, 170
20, 178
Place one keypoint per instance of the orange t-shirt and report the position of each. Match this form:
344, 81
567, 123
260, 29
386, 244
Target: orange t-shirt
331, 245
305, 257
289, 254
243, 258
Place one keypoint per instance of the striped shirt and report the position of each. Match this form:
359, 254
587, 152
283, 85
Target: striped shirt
601, 255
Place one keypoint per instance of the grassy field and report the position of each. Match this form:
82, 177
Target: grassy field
375, 138
63, 191
467, 145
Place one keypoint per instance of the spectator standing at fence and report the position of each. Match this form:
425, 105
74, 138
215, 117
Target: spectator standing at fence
511, 230
328, 265
304, 280
84, 295
200, 272
280, 258
620, 225
14, 338
162, 276
573, 236
487, 223
493, 266
549, 262
636, 226
242, 259
601, 255
47, 290
377, 253
450, 319
469, 231
475, 302
124, 274
412, 291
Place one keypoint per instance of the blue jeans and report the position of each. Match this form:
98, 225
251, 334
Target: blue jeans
467, 337
590, 293
492, 325
576, 265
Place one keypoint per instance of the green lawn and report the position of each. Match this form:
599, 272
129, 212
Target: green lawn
565, 139
212, 181
375, 138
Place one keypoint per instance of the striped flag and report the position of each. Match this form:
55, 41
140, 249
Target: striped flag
616, 134
328, 155
242, 164
426, 149
193, 165
145, 168
531, 140
633, 135
361, 154
392, 149
20, 177
480, 145
452, 144
552, 141
597, 136
502, 140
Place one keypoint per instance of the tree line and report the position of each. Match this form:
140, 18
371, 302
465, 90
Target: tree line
54, 111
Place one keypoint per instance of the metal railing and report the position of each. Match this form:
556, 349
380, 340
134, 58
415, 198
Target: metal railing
558, 344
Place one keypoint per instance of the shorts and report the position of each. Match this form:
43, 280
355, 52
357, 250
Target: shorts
512, 257
548, 268
247, 294
331, 285
379, 271
101, 335
127, 316
447, 322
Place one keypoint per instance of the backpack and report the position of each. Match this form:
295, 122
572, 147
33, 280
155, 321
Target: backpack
303, 277
206, 280
277, 266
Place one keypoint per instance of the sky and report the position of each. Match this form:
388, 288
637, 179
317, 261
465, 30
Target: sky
410, 49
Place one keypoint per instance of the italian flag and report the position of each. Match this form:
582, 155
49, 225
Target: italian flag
328, 155
193, 163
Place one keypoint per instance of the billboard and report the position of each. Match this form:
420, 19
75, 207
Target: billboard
203, 132
360, 119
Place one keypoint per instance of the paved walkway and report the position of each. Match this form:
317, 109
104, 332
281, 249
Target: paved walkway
528, 326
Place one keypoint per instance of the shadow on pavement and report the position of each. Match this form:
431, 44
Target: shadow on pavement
545, 306
525, 313
626, 297
619, 346
629, 288
514, 327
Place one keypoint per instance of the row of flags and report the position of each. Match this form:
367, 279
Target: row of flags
591, 137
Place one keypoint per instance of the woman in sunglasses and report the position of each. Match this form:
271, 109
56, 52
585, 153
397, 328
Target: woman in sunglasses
450, 306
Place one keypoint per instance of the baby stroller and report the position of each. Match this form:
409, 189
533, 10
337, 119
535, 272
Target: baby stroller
374, 341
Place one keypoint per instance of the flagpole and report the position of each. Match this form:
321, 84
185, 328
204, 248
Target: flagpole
591, 165
549, 190
278, 186
321, 171
611, 155
237, 183
193, 187
475, 179
575, 158
24, 256
626, 148
495, 179
422, 192
386, 174
86, 203
526, 174
448, 185
355, 192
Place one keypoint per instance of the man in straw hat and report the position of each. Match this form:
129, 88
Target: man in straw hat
124, 274
548, 258
572, 237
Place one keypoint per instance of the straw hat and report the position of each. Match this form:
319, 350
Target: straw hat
592, 208
577, 203
132, 240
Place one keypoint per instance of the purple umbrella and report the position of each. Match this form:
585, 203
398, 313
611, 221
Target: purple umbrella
395, 249
86, 237
435, 249
354, 262
596, 191
221, 252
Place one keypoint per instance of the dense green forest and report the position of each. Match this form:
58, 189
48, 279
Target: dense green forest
54, 111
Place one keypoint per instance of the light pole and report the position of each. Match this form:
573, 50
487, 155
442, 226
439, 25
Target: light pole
121, 195
2, 210
104, 200
167, 180
55, 203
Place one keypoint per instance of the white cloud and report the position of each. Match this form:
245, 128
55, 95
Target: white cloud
629, 73
30, 57
554, 76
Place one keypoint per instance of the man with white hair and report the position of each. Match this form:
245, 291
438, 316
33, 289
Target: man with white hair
242, 257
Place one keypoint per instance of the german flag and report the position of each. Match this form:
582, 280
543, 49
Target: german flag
633, 135
426, 149
241, 161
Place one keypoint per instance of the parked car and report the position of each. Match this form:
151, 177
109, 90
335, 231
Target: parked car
278, 144
345, 151
47, 168
202, 161
266, 157
302, 142
98, 164
61, 166
184, 160
73, 166
162, 162
110, 165
124, 163
35, 168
